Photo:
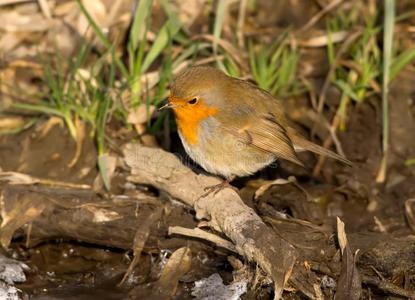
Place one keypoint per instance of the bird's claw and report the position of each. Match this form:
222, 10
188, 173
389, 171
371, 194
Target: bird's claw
217, 188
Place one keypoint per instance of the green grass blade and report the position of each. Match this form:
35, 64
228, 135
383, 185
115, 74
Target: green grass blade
387, 58
191, 51
346, 89
101, 36
142, 11
219, 18
410, 162
400, 62
40, 108
164, 37
389, 22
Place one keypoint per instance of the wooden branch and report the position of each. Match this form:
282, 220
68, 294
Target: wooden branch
201, 234
225, 210
76, 214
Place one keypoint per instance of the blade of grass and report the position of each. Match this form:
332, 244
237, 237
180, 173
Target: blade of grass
141, 12
45, 109
389, 21
167, 32
346, 89
101, 36
217, 29
136, 50
218, 26
401, 61
190, 53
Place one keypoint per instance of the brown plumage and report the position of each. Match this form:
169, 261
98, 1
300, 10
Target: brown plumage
231, 127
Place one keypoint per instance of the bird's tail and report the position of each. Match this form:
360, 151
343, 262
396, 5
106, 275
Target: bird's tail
303, 145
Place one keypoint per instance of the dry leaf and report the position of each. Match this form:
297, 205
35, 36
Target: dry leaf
188, 11
107, 164
10, 41
13, 21
25, 209
323, 40
80, 137
141, 114
178, 265
11, 123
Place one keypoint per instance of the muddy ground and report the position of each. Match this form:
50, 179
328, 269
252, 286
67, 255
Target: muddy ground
67, 262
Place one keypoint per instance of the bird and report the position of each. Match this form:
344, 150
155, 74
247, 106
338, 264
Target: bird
231, 127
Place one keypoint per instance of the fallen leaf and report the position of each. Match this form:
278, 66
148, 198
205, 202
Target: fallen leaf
80, 136
107, 164
11, 123
141, 114
178, 265
23, 210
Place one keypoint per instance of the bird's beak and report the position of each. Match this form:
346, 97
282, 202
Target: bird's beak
171, 103
167, 105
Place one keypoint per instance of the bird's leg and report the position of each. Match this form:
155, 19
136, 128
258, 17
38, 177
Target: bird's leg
226, 183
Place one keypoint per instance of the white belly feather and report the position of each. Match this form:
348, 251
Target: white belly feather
222, 154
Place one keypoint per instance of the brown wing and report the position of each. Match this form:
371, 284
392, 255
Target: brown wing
268, 135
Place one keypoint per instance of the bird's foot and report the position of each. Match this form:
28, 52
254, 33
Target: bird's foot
218, 187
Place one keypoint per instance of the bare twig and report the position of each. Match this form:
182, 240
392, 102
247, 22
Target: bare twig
24, 179
236, 54
319, 15
201, 234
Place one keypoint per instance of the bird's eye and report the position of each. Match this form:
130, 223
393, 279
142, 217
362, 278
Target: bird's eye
193, 101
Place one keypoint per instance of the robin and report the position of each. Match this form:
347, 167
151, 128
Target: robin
231, 127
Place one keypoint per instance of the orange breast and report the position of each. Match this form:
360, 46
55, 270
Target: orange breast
188, 120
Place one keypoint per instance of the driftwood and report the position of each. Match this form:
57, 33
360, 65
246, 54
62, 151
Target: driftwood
282, 247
